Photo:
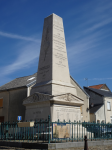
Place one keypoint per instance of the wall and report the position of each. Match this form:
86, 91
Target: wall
4, 110
15, 106
100, 115
84, 107
64, 112
108, 112
38, 110
92, 145
105, 87
92, 117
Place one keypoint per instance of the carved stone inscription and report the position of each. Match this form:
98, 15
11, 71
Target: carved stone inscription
60, 56
59, 46
37, 113
67, 114
43, 71
46, 43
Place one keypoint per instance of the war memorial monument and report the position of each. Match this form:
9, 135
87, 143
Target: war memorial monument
53, 94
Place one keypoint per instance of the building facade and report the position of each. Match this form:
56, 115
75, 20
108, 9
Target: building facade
11, 98
100, 103
13, 93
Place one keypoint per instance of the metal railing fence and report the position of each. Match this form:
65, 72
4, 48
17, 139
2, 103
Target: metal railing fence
47, 131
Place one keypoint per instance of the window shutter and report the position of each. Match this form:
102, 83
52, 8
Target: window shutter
1, 102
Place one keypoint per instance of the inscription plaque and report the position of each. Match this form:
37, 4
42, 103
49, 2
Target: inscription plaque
61, 130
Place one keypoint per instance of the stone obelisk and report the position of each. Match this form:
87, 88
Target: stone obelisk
53, 93
53, 72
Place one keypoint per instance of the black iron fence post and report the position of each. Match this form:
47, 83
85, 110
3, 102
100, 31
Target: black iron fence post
85, 143
7, 130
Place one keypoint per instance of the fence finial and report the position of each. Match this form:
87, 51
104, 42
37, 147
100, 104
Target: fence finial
85, 143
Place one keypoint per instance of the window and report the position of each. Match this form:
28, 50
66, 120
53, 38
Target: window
1, 102
31, 78
108, 106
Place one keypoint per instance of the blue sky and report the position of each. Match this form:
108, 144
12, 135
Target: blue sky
88, 34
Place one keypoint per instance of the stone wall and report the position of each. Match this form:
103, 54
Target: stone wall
83, 96
92, 145
4, 110
92, 117
12, 104
16, 107
100, 115
109, 147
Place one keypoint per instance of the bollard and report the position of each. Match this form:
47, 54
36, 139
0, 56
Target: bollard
85, 143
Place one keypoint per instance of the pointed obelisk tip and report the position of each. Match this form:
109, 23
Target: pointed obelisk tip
53, 14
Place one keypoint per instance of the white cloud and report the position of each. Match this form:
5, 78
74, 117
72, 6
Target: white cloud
87, 38
28, 55
101, 24
15, 36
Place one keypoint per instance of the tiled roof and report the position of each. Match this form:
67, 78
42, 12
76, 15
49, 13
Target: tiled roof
101, 92
19, 82
96, 86
24, 82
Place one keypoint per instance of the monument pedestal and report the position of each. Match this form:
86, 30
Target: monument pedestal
54, 88
63, 107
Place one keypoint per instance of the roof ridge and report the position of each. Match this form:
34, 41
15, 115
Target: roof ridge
8, 82
18, 82
92, 89
97, 84
99, 91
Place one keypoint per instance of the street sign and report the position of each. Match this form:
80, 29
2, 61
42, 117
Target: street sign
19, 118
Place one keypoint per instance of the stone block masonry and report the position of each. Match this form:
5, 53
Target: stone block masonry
92, 145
